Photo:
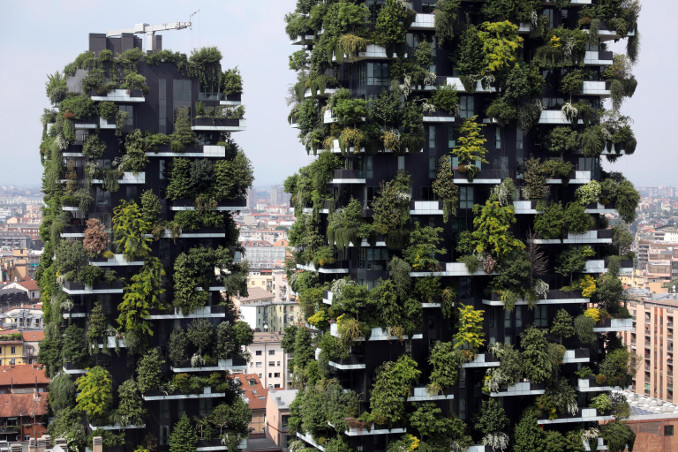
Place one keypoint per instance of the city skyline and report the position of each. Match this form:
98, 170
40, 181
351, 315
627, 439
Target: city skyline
259, 30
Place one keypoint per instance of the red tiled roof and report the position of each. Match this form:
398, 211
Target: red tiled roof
23, 374
8, 332
255, 393
32, 336
15, 405
29, 284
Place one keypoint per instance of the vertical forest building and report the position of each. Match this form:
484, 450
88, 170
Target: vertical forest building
456, 246
141, 256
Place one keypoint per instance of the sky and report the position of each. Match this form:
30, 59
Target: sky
40, 37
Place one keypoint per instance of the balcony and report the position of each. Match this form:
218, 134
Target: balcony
586, 415
612, 325
377, 334
350, 363
592, 237
326, 93
372, 52
76, 312
423, 22
92, 124
600, 266
302, 40
72, 369
121, 95
524, 388
482, 360
237, 366
338, 267
219, 125
204, 233
580, 355
348, 176
426, 208
595, 88
580, 177
205, 312
554, 117
231, 99
421, 394
205, 445
118, 260
598, 58
525, 207
357, 428
72, 288
455, 82
208, 150
489, 176
117, 427
223, 206
590, 385
206, 394
450, 269
552, 297
127, 178
308, 439
438, 117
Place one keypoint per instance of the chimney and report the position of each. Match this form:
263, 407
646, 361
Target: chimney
32, 445
97, 444
43, 443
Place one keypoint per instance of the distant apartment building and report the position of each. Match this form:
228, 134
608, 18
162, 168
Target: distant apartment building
19, 264
268, 360
272, 280
255, 395
264, 254
652, 340
263, 313
15, 240
26, 317
278, 415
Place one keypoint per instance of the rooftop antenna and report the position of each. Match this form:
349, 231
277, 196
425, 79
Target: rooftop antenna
151, 30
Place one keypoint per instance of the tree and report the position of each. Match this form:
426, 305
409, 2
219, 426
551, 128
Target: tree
470, 335
562, 326
500, 45
61, 392
446, 18
491, 418
183, 437
68, 424
74, 348
98, 326
131, 409
618, 436
550, 224
536, 363
445, 188
149, 373
618, 366
573, 260
528, 436
445, 362
583, 328
393, 383
95, 394
201, 334
96, 239
178, 347
392, 22
576, 218
423, 248
129, 228
471, 143
183, 134
492, 230
142, 295
150, 207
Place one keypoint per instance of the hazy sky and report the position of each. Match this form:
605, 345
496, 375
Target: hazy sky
40, 37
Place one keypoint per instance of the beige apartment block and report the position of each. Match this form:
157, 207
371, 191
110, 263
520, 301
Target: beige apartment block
269, 361
652, 340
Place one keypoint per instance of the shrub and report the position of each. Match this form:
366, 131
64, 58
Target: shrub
93, 147
96, 238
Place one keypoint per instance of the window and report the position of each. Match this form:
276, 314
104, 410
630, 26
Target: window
12, 362
466, 106
258, 353
432, 167
401, 162
497, 138
182, 93
130, 114
276, 386
431, 137
507, 319
278, 364
668, 430
258, 364
161, 169
540, 316
271, 363
451, 138
271, 352
276, 375
519, 317
164, 435
162, 105
465, 197
12, 350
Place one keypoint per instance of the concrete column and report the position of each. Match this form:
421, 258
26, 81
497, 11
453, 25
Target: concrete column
97, 444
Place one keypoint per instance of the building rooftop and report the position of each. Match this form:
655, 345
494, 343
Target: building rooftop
254, 391
283, 397
32, 336
29, 284
256, 294
23, 374
647, 408
260, 337
16, 405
